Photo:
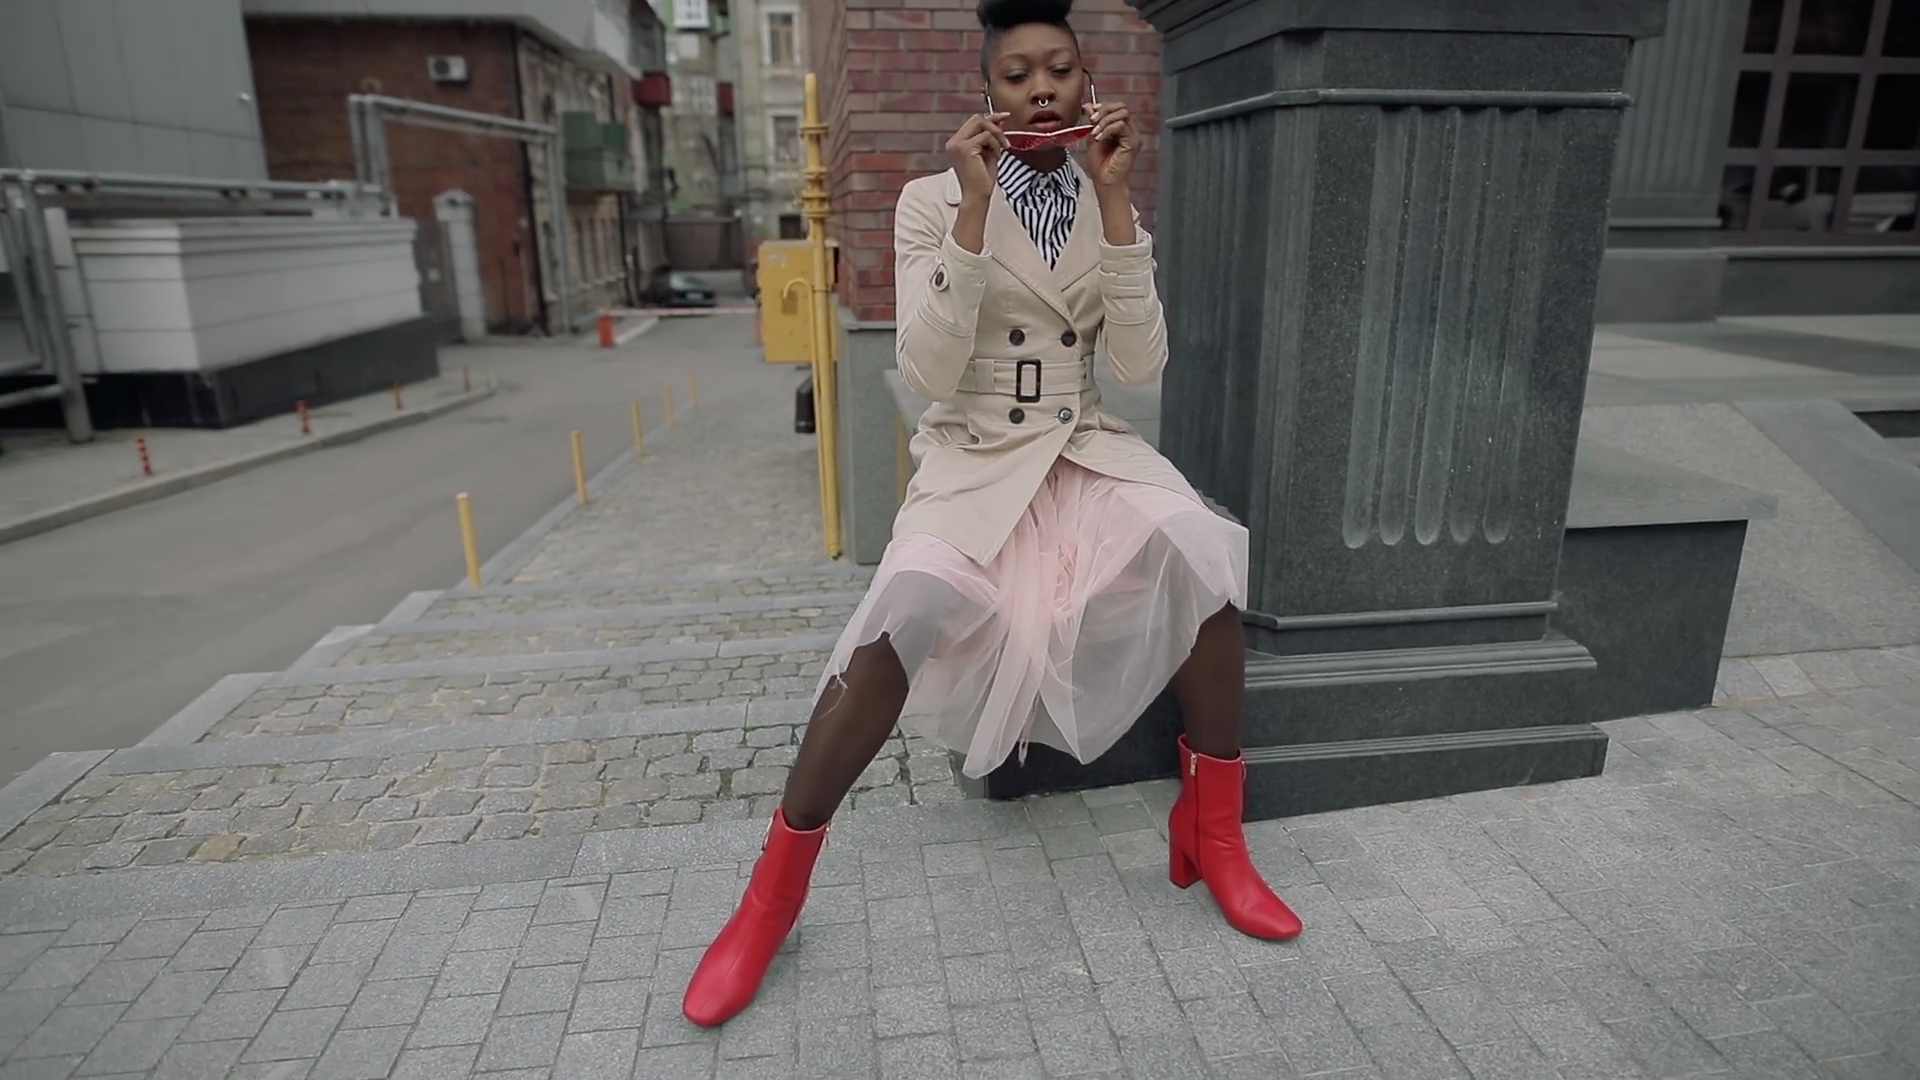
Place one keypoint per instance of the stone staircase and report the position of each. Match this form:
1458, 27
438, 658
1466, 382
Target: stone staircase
557, 699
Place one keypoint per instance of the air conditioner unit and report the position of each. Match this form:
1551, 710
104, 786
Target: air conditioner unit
447, 69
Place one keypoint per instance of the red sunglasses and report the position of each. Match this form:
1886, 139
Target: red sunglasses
1040, 140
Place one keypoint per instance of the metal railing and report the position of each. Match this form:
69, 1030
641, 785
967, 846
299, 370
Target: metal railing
29, 196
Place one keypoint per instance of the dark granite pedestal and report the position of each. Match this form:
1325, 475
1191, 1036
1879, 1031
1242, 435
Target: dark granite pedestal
1380, 240
1647, 572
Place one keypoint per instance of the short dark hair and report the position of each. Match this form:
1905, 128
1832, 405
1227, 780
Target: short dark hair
998, 16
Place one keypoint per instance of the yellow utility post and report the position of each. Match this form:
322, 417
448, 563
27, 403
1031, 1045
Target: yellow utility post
468, 546
816, 205
639, 430
579, 468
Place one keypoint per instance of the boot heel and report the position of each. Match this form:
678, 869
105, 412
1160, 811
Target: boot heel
1180, 869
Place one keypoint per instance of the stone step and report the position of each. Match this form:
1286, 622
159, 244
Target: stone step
794, 584
320, 700
295, 796
583, 630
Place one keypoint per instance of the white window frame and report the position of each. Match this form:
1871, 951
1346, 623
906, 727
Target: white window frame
773, 141
691, 15
766, 37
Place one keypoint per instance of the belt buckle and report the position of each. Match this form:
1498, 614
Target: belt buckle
1020, 382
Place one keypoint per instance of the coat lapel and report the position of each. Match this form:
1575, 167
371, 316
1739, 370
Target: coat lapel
1014, 250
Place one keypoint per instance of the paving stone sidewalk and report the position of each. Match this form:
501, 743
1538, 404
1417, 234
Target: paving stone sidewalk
1727, 900
489, 837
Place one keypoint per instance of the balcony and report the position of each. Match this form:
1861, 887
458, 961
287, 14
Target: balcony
598, 159
594, 33
653, 90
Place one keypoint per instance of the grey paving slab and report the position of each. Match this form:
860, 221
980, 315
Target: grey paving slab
27, 793
1852, 463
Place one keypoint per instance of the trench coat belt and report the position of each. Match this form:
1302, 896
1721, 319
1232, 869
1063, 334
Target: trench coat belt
1027, 379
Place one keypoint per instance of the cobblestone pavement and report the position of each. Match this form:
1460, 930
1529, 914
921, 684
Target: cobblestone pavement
587, 597
586, 630
443, 699
746, 467
1731, 899
106, 822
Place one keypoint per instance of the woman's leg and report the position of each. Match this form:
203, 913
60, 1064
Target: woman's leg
1203, 832
1211, 686
851, 722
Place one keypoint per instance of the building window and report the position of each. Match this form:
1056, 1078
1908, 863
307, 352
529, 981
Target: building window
783, 48
786, 140
690, 15
1825, 138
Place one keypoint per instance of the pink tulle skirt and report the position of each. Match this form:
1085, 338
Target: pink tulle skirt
1068, 634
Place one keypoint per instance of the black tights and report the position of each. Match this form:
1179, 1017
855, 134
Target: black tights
856, 714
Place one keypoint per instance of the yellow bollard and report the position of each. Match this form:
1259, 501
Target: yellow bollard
579, 469
669, 393
468, 545
639, 433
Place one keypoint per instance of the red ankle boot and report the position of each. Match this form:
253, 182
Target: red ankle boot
1205, 843
729, 973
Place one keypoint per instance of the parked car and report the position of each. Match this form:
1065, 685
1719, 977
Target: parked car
685, 290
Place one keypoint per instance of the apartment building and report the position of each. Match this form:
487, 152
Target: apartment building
592, 69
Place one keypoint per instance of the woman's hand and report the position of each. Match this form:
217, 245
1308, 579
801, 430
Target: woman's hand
1111, 145
975, 151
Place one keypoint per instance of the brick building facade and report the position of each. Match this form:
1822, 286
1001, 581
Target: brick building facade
305, 69
897, 77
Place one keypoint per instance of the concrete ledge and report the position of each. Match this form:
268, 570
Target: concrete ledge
161, 487
1849, 460
1613, 488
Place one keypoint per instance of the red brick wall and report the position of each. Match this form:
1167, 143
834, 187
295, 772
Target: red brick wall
898, 76
304, 70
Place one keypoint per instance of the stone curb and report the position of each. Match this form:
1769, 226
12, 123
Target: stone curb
191, 724
333, 645
384, 743
406, 611
175, 483
42, 784
556, 661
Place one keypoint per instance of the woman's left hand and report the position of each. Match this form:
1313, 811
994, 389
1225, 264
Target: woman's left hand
1112, 143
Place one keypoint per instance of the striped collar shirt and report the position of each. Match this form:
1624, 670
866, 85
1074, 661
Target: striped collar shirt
1045, 202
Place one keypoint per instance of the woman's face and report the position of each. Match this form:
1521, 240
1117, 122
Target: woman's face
1036, 77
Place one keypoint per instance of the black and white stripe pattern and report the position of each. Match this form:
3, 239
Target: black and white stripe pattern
1045, 202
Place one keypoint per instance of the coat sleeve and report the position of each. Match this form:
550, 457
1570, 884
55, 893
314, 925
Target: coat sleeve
937, 291
1136, 325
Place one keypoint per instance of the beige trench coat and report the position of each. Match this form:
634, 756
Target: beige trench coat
1003, 347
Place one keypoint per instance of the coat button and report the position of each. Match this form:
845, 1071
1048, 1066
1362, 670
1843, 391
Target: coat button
1016, 336
1066, 416
1069, 338
1017, 416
